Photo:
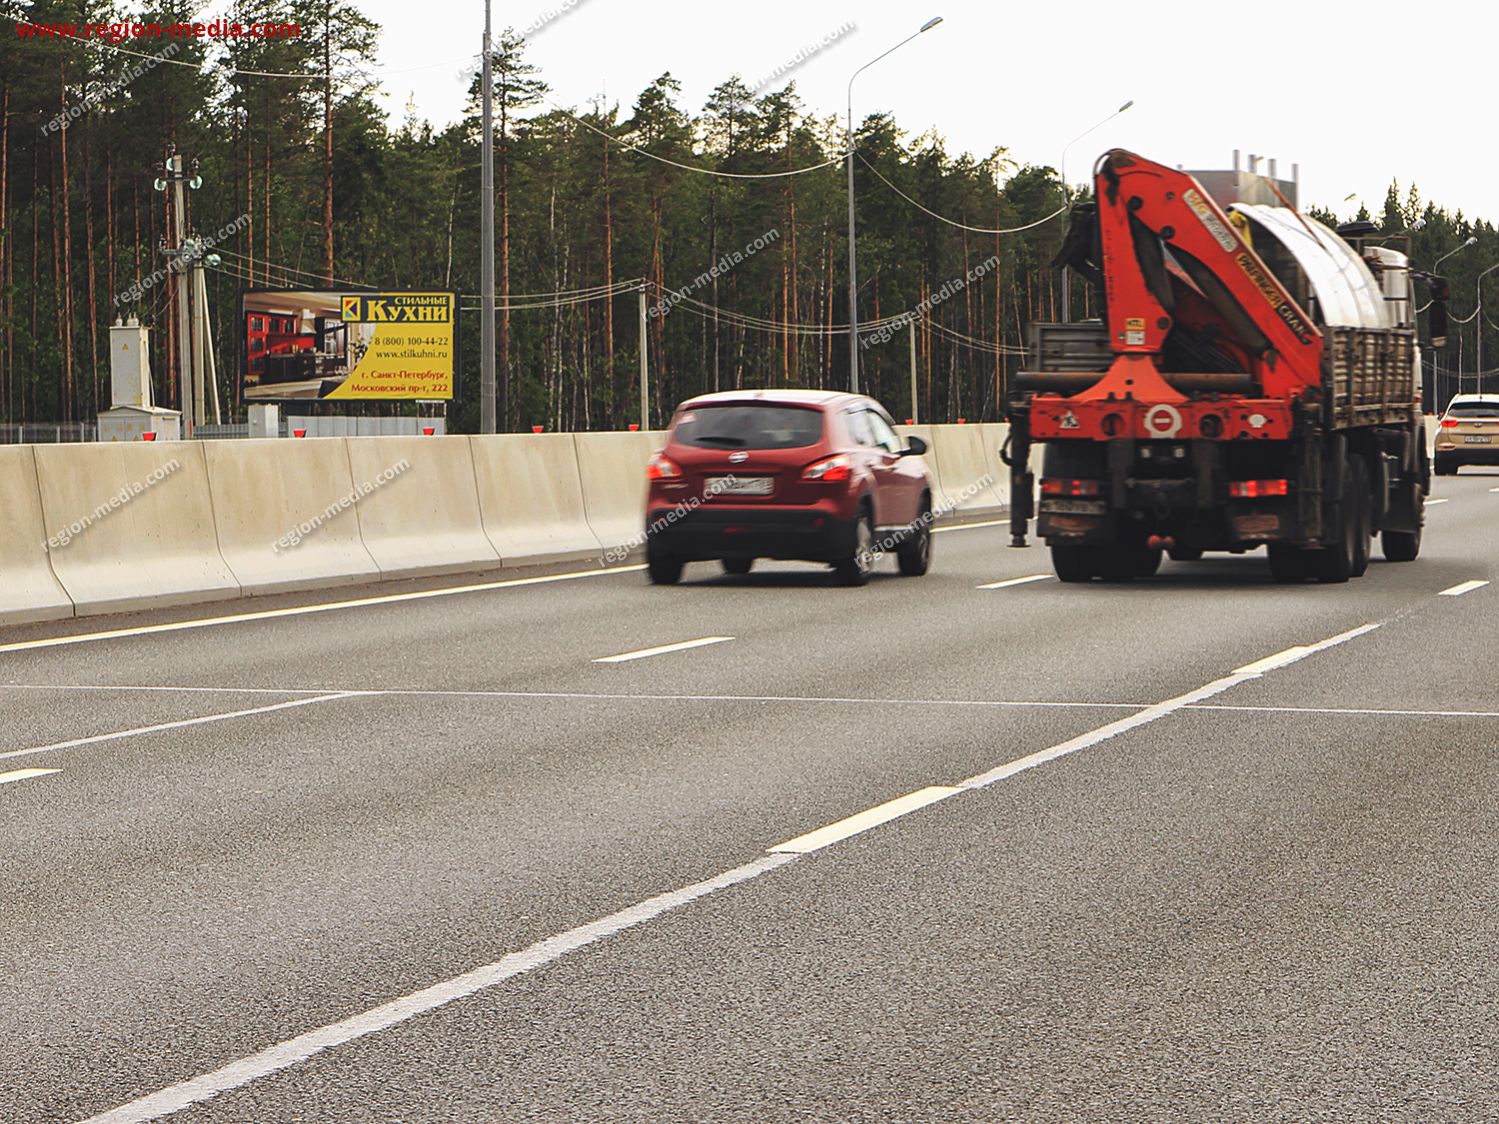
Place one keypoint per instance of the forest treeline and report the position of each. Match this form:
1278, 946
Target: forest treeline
310, 185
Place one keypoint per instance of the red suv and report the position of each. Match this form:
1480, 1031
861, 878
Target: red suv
790, 474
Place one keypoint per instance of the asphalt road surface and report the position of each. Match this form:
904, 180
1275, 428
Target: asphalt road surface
1198, 848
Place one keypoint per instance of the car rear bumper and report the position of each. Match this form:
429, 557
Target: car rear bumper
807, 533
1469, 454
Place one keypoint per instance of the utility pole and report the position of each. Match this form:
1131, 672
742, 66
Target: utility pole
486, 237
186, 393
911, 338
645, 386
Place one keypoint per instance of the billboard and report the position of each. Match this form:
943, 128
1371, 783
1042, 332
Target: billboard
299, 344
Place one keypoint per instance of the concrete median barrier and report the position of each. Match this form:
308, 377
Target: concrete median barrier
531, 498
611, 467
283, 512
131, 526
29, 591
966, 475
419, 509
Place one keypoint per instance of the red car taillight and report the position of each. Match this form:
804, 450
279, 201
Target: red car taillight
1253, 489
830, 470
662, 467
1057, 486
1449, 423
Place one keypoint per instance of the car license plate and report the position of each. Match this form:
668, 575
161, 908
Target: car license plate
739, 485
1476, 439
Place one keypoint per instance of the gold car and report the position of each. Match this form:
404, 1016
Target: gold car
1469, 433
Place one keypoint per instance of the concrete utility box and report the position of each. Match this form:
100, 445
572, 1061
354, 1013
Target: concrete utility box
132, 423
265, 419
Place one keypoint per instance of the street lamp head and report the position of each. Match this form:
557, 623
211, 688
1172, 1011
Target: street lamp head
1125, 106
1472, 240
931, 23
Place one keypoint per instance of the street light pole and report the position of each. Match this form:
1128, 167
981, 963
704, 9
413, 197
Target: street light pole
486, 237
853, 265
1067, 197
1472, 241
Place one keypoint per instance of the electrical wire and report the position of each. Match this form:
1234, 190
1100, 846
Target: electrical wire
953, 222
689, 167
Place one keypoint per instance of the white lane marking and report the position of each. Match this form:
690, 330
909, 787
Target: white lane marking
863, 821
304, 1046
295, 1050
1494, 489
302, 610
604, 696
1270, 663
682, 646
972, 526
1432, 503
25, 774
1016, 581
1158, 711
1462, 587
179, 725
1350, 710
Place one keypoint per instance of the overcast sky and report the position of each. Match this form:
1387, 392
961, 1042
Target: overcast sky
1355, 93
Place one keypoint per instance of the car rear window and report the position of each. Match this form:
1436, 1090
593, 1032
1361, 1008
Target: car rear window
749, 427
1473, 410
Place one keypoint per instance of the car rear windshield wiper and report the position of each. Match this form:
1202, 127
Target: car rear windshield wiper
721, 438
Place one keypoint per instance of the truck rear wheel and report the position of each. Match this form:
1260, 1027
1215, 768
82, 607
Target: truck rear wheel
1334, 563
1363, 510
1289, 563
1400, 546
1074, 563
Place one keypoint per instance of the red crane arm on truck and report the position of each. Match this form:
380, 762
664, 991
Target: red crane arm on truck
1210, 283
1255, 308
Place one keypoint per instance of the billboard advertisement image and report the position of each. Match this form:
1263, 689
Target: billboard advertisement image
354, 346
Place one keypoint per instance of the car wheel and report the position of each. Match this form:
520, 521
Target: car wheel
856, 568
1363, 510
661, 568
1074, 563
736, 565
914, 556
1444, 466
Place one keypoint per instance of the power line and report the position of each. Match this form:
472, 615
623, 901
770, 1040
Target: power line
953, 222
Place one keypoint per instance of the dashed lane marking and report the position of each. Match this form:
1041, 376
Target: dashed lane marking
25, 774
1017, 581
863, 821
1463, 587
664, 649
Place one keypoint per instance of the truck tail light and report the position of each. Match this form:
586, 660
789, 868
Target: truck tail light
830, 470
1253, 489
662, 467
1060, 486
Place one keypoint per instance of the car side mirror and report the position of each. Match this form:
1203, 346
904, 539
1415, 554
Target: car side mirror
915, 447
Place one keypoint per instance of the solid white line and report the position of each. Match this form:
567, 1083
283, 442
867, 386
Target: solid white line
1494, 489
863, 821
1432, 503
304, 1046
603, 696
1016, 581
25, 774
182, 724
1270, 663
1355, 711
1158, 711
302, 610
1463, 587
643, 653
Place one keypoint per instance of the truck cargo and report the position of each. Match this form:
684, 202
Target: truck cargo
1252, 380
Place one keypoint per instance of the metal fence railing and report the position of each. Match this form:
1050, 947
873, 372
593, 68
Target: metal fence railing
47, 433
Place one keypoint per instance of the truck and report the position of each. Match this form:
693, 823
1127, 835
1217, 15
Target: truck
1252, 379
